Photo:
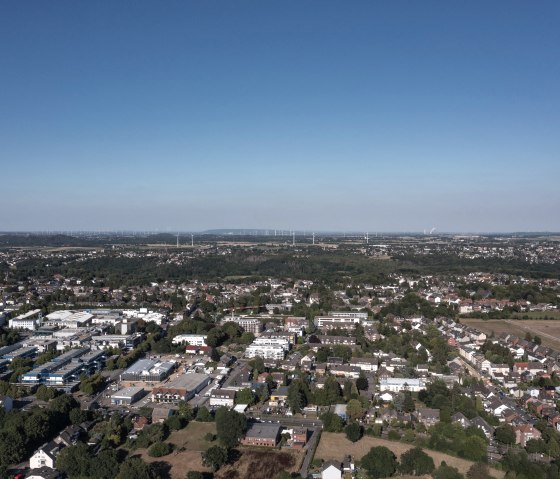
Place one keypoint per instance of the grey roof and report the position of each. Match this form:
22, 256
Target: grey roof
188, 381
127, 392
263, 431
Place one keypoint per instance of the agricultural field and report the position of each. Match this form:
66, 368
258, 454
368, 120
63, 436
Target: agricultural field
548, 330
335, 446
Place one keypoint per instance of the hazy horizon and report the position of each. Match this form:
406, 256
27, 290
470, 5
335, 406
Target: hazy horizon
371, 116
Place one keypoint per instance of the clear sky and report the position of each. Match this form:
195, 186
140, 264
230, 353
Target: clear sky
326, 115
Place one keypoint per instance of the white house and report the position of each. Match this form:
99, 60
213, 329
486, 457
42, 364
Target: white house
222, 397
331, 470
45, 456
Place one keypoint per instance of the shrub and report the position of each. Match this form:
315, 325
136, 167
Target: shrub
160, 449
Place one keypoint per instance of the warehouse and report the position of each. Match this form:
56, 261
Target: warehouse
148, 370
127, 396
181, 389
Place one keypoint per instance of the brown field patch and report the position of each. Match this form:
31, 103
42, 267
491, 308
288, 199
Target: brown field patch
548, 330
334, 446
262, 463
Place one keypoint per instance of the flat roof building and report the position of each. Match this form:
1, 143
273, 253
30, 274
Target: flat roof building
148, 370
182, 388
127, 395
260, 434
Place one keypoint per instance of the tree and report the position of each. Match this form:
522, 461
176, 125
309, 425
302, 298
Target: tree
416, 462
215, 457
74, 460
474, 449
45, 394
160, 449
257, 363
195, 475
353, 431
78, 416
332, 422
478, 470
362, 383
505, 434
354, 409
244, 396
176, 422
185, 410
203, 415
63, 404
536, 445
408, 402
297, 397
12, 447
136, 468
230, 426
447, 472
379, 462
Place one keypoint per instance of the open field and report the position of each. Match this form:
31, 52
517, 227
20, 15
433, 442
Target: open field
192, 439
261, 463
334, 446
548, 330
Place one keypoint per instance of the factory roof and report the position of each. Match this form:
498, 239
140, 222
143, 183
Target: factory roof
127, 392
187, 381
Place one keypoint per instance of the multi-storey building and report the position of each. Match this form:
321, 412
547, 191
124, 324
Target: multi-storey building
190, 339
266, 351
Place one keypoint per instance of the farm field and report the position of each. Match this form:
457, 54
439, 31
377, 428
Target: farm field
192, 439
548, 330
334, 446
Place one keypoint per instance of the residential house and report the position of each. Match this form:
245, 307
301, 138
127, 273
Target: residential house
222, 397
45, 456
524, 433
428, 416
331, 470
481, 424
461, 419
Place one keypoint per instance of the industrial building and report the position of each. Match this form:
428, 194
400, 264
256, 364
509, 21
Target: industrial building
30, 320
182, 388
127, 396
148, 370
260, 434
119, 341
65, 368
69, 319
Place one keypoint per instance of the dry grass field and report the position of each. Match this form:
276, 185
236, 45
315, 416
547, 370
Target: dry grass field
548, 330
334, 446
192, 439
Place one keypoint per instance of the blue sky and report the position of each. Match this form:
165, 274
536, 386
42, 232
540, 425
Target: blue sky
371, 116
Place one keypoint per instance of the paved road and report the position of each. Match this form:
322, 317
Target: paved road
310, 451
